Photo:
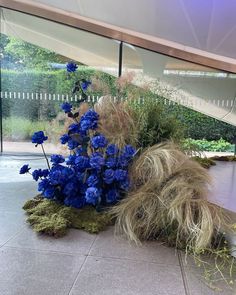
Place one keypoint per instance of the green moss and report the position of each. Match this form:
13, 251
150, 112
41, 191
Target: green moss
204, 162
55, 219
224, 158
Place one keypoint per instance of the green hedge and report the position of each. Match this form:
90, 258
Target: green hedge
200, 126
54, 82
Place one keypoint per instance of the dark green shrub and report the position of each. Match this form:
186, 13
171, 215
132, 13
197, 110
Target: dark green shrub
155, 125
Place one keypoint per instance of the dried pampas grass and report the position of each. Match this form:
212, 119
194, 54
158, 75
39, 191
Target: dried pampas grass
169, 198
116, 121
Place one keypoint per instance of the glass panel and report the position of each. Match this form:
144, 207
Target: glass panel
201, 88
34, 79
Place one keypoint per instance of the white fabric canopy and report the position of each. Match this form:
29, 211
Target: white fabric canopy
208, 25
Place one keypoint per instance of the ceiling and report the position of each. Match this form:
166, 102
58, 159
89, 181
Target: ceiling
209, 25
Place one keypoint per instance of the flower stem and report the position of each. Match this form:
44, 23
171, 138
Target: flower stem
45, 156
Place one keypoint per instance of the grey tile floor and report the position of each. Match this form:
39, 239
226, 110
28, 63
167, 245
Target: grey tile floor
81, 263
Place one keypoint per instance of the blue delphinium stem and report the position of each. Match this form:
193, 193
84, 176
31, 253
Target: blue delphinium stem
45, 157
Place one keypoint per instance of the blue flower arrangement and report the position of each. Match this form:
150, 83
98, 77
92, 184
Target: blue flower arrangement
94, 173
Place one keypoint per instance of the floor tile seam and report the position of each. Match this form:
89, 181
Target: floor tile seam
14, 236
47, 251
86, 258
134, 260
184, 278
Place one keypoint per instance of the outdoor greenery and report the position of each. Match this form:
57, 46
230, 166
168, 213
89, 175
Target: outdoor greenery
18, 128
220, 145
18, 54
193, 124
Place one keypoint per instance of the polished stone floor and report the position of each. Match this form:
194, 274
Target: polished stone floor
81, 263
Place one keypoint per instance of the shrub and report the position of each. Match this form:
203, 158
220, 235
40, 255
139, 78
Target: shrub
155, 125
211, 146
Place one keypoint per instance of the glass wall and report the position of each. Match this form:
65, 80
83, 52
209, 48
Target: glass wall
206, 90
34, 80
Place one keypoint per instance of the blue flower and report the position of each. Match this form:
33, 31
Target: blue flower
120, 174
80, 176
112, 196
89, 120
49, 192
86, 124
98, 141
70, 189
64, 138
76, 202
82, 162
96, 161
71, 160
59, 175
45, 172
129, 151
74, 128
112, 150
85, 85
66, 107
111, 162
71, 67
39, 137
72, 144
43, 184
92, 195
109, 176
57, 159
91, 115
92, 180
24, 169
123, 161
81, 151
36, 174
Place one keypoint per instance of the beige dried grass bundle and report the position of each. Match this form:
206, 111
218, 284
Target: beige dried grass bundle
169, 198
116, 121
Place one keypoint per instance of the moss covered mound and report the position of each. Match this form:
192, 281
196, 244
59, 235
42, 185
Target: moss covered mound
205, 162
224, 158
55, 219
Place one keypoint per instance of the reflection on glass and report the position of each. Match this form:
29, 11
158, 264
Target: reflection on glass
34, 53
201, 88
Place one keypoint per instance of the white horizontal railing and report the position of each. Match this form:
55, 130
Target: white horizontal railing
188, 102
44, 96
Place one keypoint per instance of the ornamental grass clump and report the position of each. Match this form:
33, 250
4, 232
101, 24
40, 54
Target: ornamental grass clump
117, 121
169, 199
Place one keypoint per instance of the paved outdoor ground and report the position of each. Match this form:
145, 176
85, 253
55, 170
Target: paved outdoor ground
81, 263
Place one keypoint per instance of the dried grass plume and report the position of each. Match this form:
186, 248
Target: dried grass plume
169, 198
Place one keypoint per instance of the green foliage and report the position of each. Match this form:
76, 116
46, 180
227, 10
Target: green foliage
18, 128
51, 82
224, 158
29, 55
55, 219
155, 125
204, 162
211, 146
199, 126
